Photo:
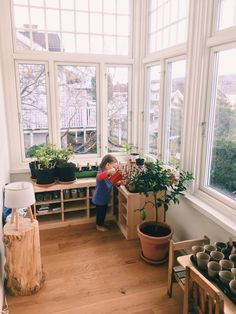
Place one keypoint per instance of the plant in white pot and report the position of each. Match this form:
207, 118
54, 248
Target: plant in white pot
166, 185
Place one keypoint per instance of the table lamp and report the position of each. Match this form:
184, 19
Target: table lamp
18, 195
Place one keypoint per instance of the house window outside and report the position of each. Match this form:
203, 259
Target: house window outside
227, 14
78, 107
82, 26
168, 23
152, 110
221, 161
117, 107
33, 104
174, 111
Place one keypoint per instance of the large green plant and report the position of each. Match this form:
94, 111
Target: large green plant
165, 184
64, 154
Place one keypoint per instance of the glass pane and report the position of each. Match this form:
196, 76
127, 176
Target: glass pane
227, 14
122, 46
82, 22
33, 103
96, 23
109, 6
95, 5
67, 4
23, 41
37, 19
123, 6
117, 108
21, 2
68, 42
67, 21
152, 109
21, 17
223, 150
54, 42
167, 14
81, 5
39, 41
37, 2
52, 4
109, 24
53, 22
77, 105
83, 43
109, 45
96, 44
122, 25
176, 81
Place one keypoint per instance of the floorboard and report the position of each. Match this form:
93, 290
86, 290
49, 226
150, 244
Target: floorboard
91, 272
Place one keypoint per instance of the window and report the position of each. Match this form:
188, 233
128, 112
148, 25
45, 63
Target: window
221, 161
152, 109
168, 23
227, 14
33, 104
83, 26
174, 110
117, 108
78, 107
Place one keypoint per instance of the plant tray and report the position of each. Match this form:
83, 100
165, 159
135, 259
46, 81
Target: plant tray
216, 280
86, 174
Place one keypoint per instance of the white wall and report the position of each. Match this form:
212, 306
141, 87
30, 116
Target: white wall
188, 223
4, 173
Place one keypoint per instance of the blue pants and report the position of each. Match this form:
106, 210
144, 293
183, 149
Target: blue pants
101, 211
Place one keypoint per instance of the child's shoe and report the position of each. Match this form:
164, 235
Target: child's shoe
101, 228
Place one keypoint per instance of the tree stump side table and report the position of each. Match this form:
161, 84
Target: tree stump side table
23, 268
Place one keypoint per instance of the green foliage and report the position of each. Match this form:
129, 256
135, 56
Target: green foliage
64, 154
45, 156
155, 178
30, 152
223, 168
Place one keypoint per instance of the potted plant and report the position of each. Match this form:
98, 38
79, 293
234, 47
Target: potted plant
65, 170
45, 164
30, 153
166, 185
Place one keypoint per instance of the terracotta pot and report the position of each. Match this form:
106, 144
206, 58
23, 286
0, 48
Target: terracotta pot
154, 248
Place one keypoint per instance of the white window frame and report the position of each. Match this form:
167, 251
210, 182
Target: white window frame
19, 109
98, 115
166, 108
129, 109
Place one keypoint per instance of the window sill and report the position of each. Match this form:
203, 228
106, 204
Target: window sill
220, 214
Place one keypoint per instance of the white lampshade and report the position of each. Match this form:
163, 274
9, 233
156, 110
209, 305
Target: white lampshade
19, 194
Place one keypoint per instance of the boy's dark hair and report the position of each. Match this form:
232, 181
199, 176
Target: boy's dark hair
107, 159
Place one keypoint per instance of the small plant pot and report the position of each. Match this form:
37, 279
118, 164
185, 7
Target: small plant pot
33, 169
66, 173
45, 176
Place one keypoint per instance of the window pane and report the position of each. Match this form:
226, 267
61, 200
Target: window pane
117, 109
227, 14
33, 103
171, 20
67, 21
77, 105
95, 19
53, 22
152, 109
174, 111
37, 18
222, 172
82, 22
83, 43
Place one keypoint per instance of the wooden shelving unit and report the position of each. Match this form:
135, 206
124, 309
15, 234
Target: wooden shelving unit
65, 204
128, 211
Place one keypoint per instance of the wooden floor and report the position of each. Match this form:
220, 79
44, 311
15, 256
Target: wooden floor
91, 272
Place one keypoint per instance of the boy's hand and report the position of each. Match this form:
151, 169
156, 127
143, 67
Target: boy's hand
121, 182
111, 171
